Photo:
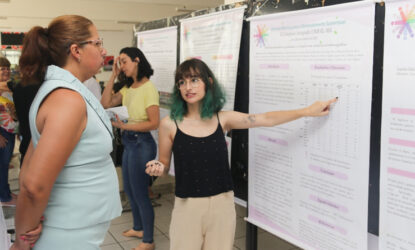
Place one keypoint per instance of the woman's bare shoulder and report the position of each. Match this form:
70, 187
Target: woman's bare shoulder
167, 123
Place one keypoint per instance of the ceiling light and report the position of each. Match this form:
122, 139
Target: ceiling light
184, 9
128, 22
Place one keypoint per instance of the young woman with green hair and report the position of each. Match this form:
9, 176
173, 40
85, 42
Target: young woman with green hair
204, 211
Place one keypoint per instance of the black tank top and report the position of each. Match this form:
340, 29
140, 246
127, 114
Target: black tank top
201, 164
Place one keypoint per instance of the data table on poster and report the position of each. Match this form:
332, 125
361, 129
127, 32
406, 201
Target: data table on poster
397, 184
308, 179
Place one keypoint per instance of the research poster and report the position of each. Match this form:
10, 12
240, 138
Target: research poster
215, 39
397, 183
308, 179
160, 48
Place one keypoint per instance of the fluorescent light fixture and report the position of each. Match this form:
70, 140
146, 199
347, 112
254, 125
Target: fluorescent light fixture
184, 9
128, 22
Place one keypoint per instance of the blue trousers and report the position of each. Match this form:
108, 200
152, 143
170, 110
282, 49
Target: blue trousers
139, 148
5, 157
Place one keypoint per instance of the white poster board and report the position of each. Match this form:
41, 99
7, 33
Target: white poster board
160, 48
397, 183
308, 179
4, 237
215, 39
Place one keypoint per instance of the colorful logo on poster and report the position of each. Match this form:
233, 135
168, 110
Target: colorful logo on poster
404, 22
186, 33
261, 35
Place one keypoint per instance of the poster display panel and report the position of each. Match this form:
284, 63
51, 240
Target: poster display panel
308, 179
215, 39
397, 182
160, 48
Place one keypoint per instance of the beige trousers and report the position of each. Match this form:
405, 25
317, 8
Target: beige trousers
206, 223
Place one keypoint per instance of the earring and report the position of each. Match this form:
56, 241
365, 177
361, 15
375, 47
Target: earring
79, 59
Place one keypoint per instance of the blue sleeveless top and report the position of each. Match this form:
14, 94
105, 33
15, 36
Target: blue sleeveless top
86, 192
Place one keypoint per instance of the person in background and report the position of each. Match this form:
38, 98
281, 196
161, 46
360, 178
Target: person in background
141, 98
204, 215
23, 96
67, 174
8, 129
93, 85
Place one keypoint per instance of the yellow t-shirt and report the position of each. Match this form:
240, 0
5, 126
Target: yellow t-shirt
137, 100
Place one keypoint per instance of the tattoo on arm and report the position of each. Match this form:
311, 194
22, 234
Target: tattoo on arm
251, 119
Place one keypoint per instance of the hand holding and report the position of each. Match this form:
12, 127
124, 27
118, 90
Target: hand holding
117, 123
320, 108
32, 236
20, 245
155, 168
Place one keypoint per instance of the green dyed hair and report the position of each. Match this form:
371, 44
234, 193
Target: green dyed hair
214, 98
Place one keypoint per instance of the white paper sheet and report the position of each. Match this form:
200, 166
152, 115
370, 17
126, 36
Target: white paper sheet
120, 111
4, 237
160, 48
215, 39
397, 184
308, 179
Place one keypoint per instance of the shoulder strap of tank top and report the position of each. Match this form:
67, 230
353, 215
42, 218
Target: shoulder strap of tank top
217, 115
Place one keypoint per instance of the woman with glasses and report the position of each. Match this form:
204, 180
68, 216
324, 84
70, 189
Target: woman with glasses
8, 130
141, 98
204, 213
67, 175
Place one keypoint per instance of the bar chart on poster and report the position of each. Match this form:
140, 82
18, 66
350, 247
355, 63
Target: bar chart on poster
308, 179
397, 188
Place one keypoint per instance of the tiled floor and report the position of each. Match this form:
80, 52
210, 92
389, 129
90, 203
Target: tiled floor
115, 241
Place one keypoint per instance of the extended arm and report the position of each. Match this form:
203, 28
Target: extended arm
166, 134
60, 132
237, 120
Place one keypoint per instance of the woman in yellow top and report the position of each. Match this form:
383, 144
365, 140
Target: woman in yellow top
8, 129
142, 101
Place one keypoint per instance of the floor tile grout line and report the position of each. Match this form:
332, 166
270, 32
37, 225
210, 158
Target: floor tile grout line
118, 243
162, 233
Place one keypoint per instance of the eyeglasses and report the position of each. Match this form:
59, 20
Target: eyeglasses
4, 69
194, 82
99, 42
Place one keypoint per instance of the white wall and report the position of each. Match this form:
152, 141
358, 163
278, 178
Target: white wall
114, 41
231, 1
21, 15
